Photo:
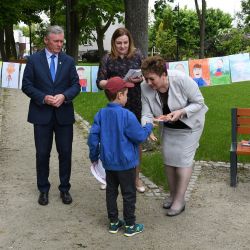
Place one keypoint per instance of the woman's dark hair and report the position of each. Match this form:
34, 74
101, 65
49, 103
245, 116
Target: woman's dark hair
121, 32
154, 64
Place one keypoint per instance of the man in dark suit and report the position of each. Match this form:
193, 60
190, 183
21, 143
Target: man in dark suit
51, 81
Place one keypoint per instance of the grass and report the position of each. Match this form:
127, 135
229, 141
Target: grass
80, 63
87, 104
216, 137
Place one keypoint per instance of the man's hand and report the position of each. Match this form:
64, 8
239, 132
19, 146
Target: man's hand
49, 99
55, 101
58, 100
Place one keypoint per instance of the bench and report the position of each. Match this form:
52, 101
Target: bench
240, 126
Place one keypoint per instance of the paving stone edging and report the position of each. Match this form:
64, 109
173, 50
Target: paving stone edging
152, 189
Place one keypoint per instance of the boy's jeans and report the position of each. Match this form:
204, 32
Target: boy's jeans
126, 180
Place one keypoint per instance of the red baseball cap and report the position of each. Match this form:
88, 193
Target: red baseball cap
115, 84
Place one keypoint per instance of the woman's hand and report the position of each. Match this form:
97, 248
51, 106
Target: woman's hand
103, 83
176, 115
162, 118
136, 79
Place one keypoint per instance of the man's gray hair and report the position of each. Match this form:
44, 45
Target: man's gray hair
55, 29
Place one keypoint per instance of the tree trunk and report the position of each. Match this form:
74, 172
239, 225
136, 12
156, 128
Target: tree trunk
99, 41
72, 29
100, 31
52, 10
10, 46
202, 23
136, 21
2, 46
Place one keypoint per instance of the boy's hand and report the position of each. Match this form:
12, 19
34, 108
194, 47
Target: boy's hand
152, 137
94, 163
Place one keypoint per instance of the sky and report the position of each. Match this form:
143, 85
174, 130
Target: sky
228, 6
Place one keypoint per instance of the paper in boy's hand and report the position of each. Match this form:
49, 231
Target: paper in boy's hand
132, 73
98, 171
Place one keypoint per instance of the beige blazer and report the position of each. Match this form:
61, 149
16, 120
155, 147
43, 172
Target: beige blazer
184, 93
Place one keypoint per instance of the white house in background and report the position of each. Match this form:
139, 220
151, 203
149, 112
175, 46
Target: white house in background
22, 43
106, 41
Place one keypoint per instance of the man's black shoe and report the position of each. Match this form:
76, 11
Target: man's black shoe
66, 197
43, 198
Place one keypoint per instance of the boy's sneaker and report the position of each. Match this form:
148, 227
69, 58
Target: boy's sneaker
114, 227
133, 230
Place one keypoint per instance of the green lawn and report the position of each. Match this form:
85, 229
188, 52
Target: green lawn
215, 141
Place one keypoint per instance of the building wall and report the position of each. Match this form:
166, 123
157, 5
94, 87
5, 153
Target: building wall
106, 42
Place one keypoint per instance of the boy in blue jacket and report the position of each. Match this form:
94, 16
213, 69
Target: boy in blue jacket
114, 138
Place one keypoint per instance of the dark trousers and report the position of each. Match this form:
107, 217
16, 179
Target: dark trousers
43, 135
126, 180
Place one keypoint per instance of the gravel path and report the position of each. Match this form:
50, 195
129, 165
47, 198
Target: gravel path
216, 216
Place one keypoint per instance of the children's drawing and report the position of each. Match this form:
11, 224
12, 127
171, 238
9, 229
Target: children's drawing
181, 66
240, 67
219, 70
94, 70
10, 74
199, 71
23, 65
84, 77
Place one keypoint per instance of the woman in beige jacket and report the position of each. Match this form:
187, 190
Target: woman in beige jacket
174, 99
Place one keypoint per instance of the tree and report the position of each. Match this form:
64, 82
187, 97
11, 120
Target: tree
163, 32
23, 10
86, 16
136, 21
216, 22
232, 41
202, 22
244, 15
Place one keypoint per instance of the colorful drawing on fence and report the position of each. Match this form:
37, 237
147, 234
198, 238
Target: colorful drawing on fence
94, 70
240, 67
199, 71
10, 74
167, 65
21, 75
1, 63
219, 70
84, 77
181, 66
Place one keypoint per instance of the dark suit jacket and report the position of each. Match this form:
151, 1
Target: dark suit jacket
37, 83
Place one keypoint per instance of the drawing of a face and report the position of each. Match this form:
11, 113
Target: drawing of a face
219, 63
180, 67
197, 71
80, 72
10, 68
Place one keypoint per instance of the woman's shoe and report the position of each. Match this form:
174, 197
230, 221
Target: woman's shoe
139, 187
103, 186
167, 203
173, 212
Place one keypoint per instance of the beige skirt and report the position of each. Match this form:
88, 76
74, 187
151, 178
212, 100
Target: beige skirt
179, 146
